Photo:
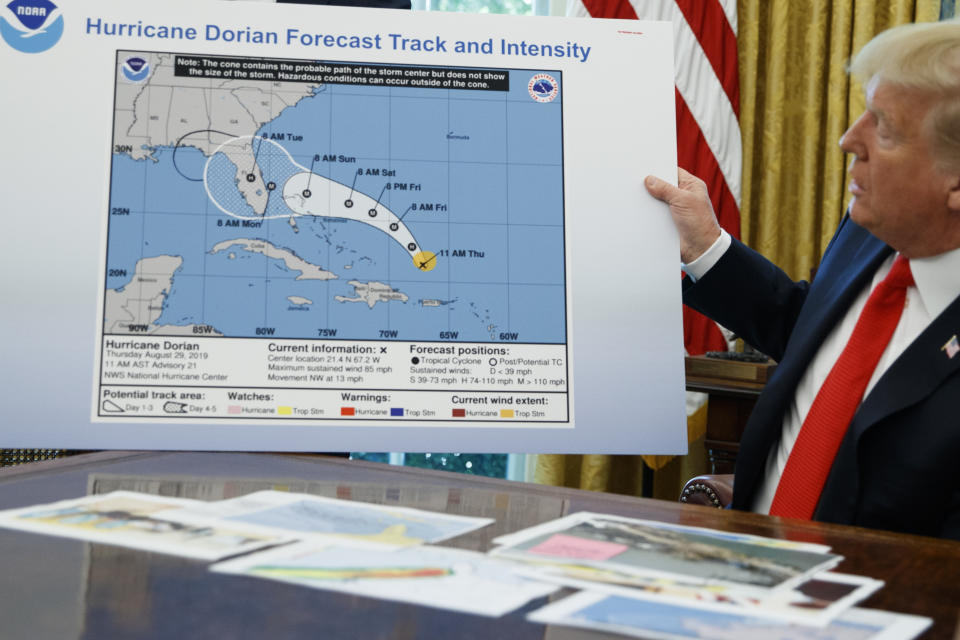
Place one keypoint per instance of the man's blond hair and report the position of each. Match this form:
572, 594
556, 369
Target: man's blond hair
923, 57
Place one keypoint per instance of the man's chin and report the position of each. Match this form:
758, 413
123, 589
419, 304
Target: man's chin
859, 213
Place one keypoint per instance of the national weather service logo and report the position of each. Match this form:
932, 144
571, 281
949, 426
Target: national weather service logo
543, 87
135, 69
31, 26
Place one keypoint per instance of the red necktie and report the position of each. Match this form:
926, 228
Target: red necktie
825, 425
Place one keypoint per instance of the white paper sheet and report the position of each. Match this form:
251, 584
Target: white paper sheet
644, 547
579, 516
430, 576
502, 315
139, 521
304, 515
817, 601
659, 621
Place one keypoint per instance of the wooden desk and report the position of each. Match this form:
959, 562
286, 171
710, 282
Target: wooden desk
63, 588
733, 388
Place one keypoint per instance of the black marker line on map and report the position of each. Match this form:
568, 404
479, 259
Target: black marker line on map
179, 144
349, 201
270, 188
251, 176
373, 212
396, 225
306, 192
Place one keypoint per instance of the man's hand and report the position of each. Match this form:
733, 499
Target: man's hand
691, 210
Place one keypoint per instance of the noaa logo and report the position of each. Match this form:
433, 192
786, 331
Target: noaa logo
543, 87
135, 69
31, 26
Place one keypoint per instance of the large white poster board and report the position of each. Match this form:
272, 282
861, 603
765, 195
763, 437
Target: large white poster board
272, 227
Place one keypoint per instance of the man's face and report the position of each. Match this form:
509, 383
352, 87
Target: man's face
899, 194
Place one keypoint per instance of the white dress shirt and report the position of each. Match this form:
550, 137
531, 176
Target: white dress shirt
937, 284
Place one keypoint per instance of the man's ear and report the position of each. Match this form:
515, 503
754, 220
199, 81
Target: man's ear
953, 195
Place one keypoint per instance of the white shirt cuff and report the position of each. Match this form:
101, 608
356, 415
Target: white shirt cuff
705, 261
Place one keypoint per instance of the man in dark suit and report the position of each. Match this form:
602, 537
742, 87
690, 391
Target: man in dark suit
839, 435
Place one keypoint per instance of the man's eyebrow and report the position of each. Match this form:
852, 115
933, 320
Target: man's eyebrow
872, 107
884, 118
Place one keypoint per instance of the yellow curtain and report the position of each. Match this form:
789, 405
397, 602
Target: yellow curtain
795, 102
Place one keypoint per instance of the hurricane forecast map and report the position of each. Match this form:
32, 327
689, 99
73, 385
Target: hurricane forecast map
362, 228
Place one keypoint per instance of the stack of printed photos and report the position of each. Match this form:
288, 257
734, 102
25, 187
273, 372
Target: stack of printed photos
662, 581
635, 577
324, 543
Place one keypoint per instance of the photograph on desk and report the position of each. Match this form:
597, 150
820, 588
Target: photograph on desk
304, 515
511, 510
659, 621
430, 576
816, 601
643, 547
735, 536
139, 520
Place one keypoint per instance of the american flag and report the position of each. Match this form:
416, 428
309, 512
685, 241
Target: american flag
708, 110
952, 347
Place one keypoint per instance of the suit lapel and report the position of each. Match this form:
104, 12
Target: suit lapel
841, 277
844, 272
919, 370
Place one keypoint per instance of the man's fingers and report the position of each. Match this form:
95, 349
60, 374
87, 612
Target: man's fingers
689, 182
686, 183
661, 189
690, 208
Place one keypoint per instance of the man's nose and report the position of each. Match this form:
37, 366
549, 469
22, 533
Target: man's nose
851, 140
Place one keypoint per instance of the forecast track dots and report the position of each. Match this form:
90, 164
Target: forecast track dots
303, 193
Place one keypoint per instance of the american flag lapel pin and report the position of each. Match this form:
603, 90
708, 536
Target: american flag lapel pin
952, 347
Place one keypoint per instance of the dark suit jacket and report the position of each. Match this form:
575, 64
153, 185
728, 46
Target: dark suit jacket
898, 465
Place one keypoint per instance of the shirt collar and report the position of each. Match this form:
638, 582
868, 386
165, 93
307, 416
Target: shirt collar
938, 280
